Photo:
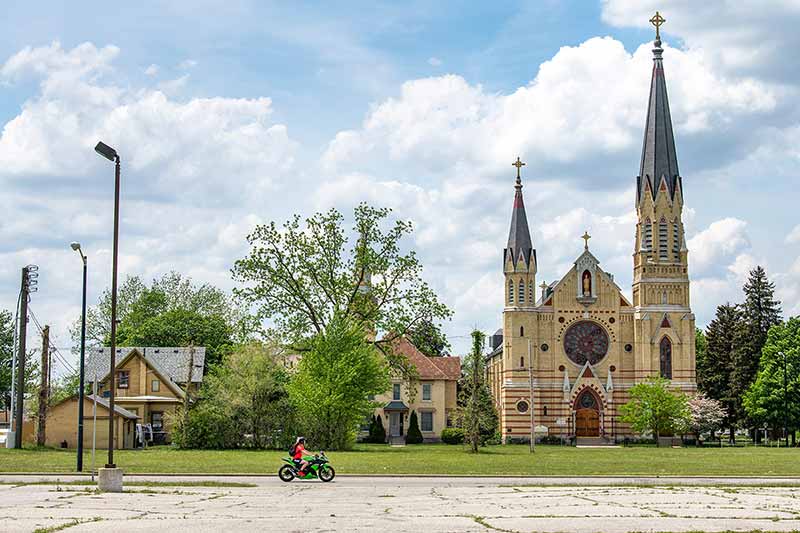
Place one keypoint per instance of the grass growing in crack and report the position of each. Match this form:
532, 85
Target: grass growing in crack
66, 525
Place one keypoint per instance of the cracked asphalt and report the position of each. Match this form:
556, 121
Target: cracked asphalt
404, 505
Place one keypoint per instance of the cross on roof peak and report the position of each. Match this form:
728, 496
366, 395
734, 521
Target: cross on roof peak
519, 164
586, 238
657, 20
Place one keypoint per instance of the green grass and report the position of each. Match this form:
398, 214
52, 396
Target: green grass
439, 459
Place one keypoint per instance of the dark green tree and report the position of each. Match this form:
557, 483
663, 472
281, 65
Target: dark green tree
377, 435
429, 339
715, 369
771, 400
6, 355
700, 346
477, 415
760, 311
413, 435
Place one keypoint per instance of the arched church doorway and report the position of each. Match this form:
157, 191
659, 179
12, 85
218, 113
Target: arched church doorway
587, 415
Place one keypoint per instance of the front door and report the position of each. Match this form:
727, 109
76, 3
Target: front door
394, 424
587, 423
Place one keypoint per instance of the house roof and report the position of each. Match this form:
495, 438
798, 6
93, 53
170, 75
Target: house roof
117, 409
395, 405
446, 367
171, 362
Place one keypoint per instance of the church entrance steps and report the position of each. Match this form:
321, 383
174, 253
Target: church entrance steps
594, 442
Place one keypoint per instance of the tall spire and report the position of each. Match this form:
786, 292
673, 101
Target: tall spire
658, 151
519, 236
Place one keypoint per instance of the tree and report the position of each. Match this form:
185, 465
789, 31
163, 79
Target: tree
334, 380
6, 355
715, 369
700, 347
655, 408
243, 404
429, 339
304, 278
760, 311
477, 415
377, 435
413, 435
145, 312
768, 401
706, 415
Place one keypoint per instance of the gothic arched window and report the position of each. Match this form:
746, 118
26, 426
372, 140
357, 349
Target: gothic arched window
647, 235
521, 292
522, 362
676, 240
511, 291
662, 240
665, 351
521, 331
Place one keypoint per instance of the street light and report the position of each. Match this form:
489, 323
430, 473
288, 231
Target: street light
76, 246
112, 155
785, 408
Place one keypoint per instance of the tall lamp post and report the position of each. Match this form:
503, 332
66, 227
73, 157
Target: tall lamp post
111, 154
76, 246
785, 407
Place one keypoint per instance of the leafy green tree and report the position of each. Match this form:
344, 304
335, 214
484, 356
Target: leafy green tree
243, 403
429, 339
715, 369
413, 435
304, 276
334, 380
700, 347
767, 400
760, 311
477, 415
655, 408
6, 355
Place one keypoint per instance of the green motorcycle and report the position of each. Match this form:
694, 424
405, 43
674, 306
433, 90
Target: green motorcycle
318, 467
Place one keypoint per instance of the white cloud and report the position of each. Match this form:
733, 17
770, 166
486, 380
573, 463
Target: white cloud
152, 70
434, 62
712, 249
187, 64
794, 236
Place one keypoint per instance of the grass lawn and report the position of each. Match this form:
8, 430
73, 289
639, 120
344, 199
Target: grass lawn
439, 459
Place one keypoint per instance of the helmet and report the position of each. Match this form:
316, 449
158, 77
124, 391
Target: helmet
301, 440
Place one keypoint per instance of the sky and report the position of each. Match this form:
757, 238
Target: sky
230, 114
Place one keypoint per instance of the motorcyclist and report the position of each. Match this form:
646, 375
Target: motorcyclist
298, 452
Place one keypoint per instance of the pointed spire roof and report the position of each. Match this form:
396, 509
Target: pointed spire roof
658, 151
519, 236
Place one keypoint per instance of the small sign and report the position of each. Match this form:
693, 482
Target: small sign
561, 422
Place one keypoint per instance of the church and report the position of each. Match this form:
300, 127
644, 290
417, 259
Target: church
570, 351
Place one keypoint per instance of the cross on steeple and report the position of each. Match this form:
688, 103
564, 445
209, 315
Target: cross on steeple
519, 164
586, 238
543, 286
657, 21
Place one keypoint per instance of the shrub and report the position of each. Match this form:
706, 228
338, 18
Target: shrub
453, 436
414, 435
377, 434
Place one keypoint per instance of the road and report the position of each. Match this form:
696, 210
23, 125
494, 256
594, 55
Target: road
408, 504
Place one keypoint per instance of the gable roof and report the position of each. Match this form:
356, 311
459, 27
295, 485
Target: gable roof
163, 376
446, 367
171, 362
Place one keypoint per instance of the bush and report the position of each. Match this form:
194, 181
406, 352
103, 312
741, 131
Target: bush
493, 440
414, 435
551, 439
453, 436
206, 427
377, 434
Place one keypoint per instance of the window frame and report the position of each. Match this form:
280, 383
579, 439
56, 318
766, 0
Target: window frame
160, 416
429, 386
397, 392
422, 415
127, 379
155, 385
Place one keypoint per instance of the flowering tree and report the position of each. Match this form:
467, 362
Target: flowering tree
705, 415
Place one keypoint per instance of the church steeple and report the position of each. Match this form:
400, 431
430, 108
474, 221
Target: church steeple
659, 159
519, 244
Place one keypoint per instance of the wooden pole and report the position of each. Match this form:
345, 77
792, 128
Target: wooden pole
44, 386
531, 408
20, 390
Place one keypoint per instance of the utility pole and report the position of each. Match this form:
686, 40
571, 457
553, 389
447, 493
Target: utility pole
785, 407
44, 388
531, 408
23, 330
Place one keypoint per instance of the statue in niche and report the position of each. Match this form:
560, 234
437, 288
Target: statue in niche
587, 284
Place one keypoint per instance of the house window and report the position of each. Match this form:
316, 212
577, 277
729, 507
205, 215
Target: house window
396, 392
155, 386
426, 392
123, 378
427, 421
157, 420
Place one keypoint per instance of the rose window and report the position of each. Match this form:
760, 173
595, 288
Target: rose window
586, 341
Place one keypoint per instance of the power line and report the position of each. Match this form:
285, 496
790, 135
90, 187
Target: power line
53, 348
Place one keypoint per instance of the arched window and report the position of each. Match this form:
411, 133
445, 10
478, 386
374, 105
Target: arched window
511, 291
544, 410
665, 351
521, 292
676, 240
647, 235
663, 248
522, 362
531, 293
521, 331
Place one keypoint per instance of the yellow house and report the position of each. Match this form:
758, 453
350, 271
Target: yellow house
62, 424
149, 382
433, 397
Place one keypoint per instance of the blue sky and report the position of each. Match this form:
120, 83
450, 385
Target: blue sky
233, 113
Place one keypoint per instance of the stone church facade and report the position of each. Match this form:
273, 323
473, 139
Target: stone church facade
580, 341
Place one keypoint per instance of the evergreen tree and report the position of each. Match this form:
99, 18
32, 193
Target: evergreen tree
760, 311
714, 370
477, 415
414, 435
380, 432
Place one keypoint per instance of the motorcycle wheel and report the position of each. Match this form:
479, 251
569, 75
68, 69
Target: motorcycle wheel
286, 473
326, 473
